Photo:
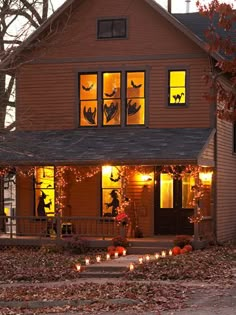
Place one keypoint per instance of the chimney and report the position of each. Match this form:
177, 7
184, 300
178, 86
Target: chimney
187, 5
169, 6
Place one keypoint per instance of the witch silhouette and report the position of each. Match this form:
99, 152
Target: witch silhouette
114, 203
42, 205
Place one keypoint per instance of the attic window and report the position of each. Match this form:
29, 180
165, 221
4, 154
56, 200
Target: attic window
112, 28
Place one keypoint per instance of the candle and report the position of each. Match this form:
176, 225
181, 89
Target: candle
124, 252
157, 255
87, 261
108, 256
163, 254
170, 252
78, 267
147, 257
116, 254
98, 258
140, 260
131, 266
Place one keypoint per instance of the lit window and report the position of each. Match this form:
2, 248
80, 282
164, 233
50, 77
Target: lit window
44, 191
177, 87
112, 28
111, 185
88, 100
166, 191
188, 182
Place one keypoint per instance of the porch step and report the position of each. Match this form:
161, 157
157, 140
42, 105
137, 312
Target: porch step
149, 247
98, 275
134, 250
110, 270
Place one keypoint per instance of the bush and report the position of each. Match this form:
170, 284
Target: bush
182, 240
76, 245
120, 241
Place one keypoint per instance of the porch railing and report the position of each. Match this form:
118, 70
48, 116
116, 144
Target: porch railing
56, 227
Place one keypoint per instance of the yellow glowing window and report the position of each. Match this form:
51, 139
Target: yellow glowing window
88, 99
135, 107
177, 87
166, 191
111, 98
188, 182
44, 191
111, 185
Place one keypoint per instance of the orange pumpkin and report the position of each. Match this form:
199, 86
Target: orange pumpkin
176, 250
111, 250
119, 250
188, 247
183, 251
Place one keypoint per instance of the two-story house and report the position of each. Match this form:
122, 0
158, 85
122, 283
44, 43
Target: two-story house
110, 105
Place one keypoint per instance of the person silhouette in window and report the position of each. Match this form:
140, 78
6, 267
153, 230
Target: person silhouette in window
42, 205
114, 203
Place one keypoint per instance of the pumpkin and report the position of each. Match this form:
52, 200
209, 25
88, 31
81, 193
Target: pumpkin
188, 247
176, 250
111, 250
183, 251
119, 250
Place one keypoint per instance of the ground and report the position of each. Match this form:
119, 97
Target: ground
46, 282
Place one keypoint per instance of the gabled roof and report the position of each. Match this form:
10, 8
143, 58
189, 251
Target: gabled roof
178, 21
122, 146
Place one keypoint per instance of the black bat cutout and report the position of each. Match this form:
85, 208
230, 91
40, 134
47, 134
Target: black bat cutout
110, 111
132, 108
87, 88
89, 115
135, 86
112, 94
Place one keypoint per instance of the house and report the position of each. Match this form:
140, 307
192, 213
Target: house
110, 112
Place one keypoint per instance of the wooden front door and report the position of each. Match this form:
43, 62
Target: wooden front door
172, 204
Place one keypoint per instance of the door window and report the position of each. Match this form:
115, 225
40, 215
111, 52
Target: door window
166, 191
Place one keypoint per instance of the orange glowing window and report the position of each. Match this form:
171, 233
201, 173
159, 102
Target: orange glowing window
177, 87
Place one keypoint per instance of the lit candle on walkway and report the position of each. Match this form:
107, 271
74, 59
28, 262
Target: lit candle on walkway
131, 267
87, 261
163, 254
157, 256
140, 260
98, 258
116, 254
170, 252
108, 256
124, 252
78, 267
147, 257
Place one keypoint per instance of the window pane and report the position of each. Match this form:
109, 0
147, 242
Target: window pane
110, 177
88, 113
187, 193
111, 85
135, 84
135, 111
166, 191
44, 191
111, 112
105, 29
119, 28
177, 87
88, 87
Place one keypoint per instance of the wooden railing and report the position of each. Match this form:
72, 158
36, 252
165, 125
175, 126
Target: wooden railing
57, 227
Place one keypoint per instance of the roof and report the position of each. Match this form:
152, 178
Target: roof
184, 25
101, 146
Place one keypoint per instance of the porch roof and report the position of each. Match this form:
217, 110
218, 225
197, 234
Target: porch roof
101, 146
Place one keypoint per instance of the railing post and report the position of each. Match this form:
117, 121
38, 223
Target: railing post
58, 225
10, 218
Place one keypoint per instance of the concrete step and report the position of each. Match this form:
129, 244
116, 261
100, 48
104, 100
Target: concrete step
96, 275
143, 243
96, 268
134, 250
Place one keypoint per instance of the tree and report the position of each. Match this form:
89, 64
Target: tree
220, 36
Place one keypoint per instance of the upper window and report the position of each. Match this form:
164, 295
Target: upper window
120, 106
177, 87
112, 28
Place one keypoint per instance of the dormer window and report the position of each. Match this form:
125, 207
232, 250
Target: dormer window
111, 28
177, 87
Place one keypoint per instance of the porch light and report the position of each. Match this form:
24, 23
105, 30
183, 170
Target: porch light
131, 267
78, 267
206, 177
146, 178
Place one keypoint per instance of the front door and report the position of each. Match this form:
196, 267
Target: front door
173, 199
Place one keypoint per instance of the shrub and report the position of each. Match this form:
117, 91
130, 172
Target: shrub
182, 240
76, 245
120, 241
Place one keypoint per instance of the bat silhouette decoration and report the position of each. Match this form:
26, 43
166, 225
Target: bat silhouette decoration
112, 93
135, 86
110, 111
89, 115
87, 88
132, 108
